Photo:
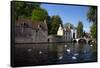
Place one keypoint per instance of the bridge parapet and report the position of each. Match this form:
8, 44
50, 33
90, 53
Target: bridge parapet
85, 39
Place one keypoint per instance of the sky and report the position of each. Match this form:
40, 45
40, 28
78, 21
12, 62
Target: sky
69, 13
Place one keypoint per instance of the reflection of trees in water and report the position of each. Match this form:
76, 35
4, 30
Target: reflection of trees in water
86, 52
94, 50
52, 53
28, 54
55, 51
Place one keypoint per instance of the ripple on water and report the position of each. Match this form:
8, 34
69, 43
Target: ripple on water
29, 50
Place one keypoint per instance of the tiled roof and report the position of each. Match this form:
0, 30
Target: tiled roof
32, 24
67, 30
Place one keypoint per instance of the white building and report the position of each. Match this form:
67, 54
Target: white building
73, 33
67, 33
60, 31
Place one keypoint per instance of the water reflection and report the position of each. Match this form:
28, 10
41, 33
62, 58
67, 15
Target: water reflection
59, 53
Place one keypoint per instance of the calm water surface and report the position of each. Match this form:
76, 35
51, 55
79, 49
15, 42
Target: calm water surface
58, 53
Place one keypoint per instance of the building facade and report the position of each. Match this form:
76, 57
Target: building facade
68, 34
65, 33
74, 33
27, 31
60, 31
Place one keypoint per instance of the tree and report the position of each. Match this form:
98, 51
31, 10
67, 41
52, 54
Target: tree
92, 14
49, 24
39, 14
92, 17
68, 24
24, 9
80, 29
93, 30
55, 21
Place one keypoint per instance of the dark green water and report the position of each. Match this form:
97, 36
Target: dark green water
58, 53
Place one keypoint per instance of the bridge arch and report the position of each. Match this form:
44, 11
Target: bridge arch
74, 41
90, 41
82, 40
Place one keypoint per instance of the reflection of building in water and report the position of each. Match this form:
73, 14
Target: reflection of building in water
30, 31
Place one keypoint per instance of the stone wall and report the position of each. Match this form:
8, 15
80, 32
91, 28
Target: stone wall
58, 39
53, 38
34, 37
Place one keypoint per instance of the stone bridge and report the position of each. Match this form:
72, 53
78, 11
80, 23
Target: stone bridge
79, 40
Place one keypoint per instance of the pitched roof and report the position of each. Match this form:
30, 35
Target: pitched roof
32, 24
67, 30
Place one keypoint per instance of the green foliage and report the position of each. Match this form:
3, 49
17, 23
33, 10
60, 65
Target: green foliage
80, 29
55, 21
92, 14
24, 9
39, 14
93, 30
68, 24
49, 24
92, 17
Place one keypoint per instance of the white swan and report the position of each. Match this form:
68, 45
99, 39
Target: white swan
40, 52
76, 54
60, 57
91, 45
65, 45
68, 50
73, 57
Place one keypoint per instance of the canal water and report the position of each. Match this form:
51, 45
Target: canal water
57, 53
